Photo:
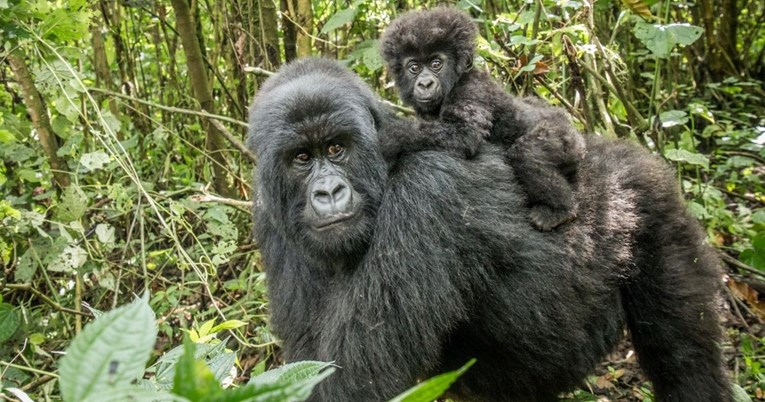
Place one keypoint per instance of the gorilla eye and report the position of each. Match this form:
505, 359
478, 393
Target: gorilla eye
335, 149
436, 64
302, 157
414, 68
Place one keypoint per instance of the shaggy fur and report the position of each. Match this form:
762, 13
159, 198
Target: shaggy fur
453, 270
542, 143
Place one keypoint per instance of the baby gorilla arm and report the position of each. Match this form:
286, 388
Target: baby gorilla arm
546, 156
460, 130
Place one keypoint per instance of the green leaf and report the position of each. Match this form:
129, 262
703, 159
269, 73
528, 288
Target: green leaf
739, 394
26, 267
681, 155
133, 394
660, 39
292, 372
340, 18
94, 161
110, 353
105, 233
9, 321
230, 324
73, 204
433, 388
193, 379
759, 217
6, 136
69, 259
673, 118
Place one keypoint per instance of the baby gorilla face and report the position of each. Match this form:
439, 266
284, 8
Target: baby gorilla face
427, 80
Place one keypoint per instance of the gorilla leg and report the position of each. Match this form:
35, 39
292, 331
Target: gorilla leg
671, 313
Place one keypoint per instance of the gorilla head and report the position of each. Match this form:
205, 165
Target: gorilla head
427, 53
322, 173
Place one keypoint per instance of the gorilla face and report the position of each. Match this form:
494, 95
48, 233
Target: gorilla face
425, 80
319, 170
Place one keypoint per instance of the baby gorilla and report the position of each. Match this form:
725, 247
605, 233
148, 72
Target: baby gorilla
430, 54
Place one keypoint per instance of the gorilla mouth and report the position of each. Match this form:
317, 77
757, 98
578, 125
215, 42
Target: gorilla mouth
334, 220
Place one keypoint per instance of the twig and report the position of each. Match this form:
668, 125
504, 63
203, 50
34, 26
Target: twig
170, 108
28, 287
738, 264
207, 197
212, 118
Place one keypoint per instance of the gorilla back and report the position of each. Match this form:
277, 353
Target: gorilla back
398, 276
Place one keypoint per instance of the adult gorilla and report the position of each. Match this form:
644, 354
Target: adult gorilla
397, 276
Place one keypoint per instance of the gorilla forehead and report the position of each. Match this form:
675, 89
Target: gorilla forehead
311, 108
420, 33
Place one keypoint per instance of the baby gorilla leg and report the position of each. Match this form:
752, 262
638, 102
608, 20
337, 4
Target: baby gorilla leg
545, 161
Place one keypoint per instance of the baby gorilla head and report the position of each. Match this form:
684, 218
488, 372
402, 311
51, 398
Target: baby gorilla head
427, 52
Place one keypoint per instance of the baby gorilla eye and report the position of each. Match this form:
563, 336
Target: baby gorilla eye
436, 64
414, 68
335, 150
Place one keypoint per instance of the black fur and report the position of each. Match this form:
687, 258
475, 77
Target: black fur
443, 265
466, 106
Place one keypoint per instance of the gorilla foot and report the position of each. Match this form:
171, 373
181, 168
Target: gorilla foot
546, 218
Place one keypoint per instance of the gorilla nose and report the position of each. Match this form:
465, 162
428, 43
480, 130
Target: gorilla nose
425, 83
331, 196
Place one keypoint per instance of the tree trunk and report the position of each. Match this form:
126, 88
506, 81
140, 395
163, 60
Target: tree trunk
40, 120
100, 62
198, 76
270, 37
720, 20
290, 36
304, 19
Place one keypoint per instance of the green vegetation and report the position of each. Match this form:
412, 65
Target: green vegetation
123, 171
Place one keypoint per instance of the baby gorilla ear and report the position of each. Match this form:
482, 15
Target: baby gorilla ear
464, 62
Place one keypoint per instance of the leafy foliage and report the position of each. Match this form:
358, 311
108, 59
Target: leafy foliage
140, 212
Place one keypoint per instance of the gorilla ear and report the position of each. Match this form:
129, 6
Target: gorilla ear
464, 62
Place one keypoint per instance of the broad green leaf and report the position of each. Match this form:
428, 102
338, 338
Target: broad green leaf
287, 390
230, 324
193, 379
133, 393
73, 204
681, 155
291, 372
433, 388
660, 39
21, 395
165, 366
6, 137
69, 259
110, 353
221, 366
105, 233
340, 18
94, 161
673, 118
759, 217
739, 394
9, 321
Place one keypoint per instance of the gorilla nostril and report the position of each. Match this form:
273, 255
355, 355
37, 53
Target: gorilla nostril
425, 84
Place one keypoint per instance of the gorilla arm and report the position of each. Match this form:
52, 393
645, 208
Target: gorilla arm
386, 319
